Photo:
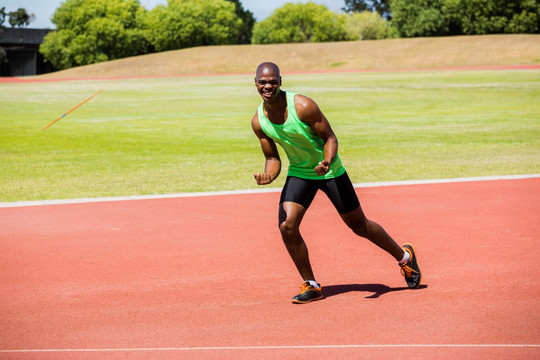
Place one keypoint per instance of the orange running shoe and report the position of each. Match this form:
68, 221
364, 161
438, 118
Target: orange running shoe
410, 269
308, 293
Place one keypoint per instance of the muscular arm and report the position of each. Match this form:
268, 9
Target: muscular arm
272, 166
308, 111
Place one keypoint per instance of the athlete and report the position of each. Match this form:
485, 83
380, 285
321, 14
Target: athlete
297, 124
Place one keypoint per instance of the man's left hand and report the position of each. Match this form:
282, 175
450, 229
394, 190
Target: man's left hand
322, 168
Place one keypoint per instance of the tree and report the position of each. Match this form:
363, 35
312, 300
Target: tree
382, 7
471, 17
413, 18
366, 26
464, 17
294, 23
187, 23
247, 22
20, 18
3, 54
3, 15
93, 31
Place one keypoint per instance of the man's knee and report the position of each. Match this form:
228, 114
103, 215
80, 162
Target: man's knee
357, 222
290, 216
359, 226
287, 228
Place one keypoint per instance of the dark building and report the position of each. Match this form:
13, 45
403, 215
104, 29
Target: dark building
20, 48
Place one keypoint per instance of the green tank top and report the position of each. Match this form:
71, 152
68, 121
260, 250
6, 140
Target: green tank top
303, 147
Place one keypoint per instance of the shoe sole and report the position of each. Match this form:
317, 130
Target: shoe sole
307, 302
411, 248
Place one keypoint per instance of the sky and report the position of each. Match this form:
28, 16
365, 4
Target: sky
44, 9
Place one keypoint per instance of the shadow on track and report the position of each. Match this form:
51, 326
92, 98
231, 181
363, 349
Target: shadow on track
376, 289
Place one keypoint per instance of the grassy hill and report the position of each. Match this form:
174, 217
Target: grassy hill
390, 54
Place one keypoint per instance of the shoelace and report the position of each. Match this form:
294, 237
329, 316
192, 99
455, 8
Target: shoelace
406, 270
306, 287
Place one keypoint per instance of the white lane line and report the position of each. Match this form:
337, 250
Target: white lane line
257, 191
290, 347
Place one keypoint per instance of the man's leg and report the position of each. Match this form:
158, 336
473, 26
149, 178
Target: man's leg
357, 221
341, 192
295, 199
290, 217
405, 255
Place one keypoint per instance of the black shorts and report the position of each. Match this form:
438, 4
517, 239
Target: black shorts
339, 190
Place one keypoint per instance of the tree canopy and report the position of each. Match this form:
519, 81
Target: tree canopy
296, 23
90, 31
382, 7
17, 18
248, 21
3, 15
419, 17
366, 25
464, 17
99, 30
472, 17
20, 18
186, 23
93, 31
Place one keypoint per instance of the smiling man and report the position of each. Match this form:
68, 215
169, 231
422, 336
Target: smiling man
297, 124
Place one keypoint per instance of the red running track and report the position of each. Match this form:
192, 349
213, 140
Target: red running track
208, 278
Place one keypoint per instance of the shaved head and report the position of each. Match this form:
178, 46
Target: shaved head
267, 68
268, 82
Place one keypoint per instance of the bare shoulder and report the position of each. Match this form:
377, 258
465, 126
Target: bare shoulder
306, 108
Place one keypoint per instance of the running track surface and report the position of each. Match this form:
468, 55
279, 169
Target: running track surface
208, 278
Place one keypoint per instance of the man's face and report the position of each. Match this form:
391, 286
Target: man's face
268, 83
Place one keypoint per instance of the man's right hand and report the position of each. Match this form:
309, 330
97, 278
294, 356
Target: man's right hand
263, 179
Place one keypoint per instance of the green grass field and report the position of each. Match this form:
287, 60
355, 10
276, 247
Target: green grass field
189, 134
